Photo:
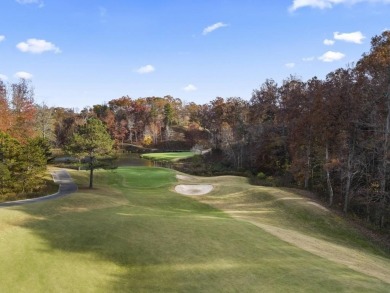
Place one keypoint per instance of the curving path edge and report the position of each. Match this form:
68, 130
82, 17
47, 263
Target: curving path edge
66, 187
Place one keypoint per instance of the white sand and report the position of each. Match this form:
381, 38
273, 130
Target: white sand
193, 189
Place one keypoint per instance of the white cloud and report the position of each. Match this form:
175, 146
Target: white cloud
355, 37
290, 65
321, 4
23, 75
102, 13
2, 38
324, 4
36, 46
331, 56
3, 77
145, 69
328, 42
39, 2
308, 59
190, 88
213, 27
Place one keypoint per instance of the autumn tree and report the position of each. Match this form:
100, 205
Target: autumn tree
265, 131
23, 110
301, 141
65, 123
235, 131
44, 122
375, 69
168, 119
5, 111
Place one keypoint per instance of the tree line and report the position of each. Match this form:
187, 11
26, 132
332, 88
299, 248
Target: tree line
328, 135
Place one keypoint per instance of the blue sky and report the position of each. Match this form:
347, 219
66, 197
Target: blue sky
86, 52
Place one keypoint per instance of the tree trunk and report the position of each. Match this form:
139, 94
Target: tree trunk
308, 166
382, 221
348, 185
91, 158
385, 148
385, 154
386, 142
350, 175
91, 177
328, 182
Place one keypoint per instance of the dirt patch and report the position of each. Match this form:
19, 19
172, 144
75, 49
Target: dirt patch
183, 177
198, 189
318, 205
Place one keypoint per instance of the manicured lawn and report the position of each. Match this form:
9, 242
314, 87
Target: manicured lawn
132, 233
175, 156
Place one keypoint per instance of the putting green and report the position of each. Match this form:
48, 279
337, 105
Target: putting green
174, 156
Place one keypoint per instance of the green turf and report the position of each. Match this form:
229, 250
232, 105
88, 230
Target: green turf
175, 156
132, 233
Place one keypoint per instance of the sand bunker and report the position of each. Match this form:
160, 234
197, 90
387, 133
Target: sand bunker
193, 189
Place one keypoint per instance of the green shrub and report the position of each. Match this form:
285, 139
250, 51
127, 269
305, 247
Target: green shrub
261, 176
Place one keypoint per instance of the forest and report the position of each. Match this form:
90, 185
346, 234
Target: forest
329, 136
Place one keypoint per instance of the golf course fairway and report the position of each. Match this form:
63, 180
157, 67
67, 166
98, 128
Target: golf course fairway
134, 233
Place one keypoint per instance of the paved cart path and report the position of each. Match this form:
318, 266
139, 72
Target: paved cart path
62, 177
